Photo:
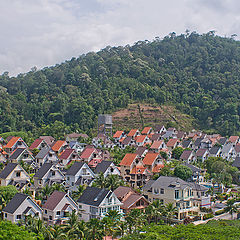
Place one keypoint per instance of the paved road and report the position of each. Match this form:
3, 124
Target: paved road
225, 216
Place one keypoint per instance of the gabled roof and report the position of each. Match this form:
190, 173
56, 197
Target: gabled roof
7, 170
193, 168
66, 153
132, 132
214, 149
132, 199
93, 196
73, 170
126, 140
43, 170
36, 143
139, 170
186, 154
128, 159
122, 191
172, 142
141, 138
43, 152
222, 140
157, 144
54, 200
48, 139
146, 130
186, 143
15, 202
157, 168
57, 145
233, 139
159, 128
87, 152
180, 134
77, 135
236, 163
150, 158
227, 148
118, 134
103, 166
200, 152
17, 152
94, 162
155, 136
197, 142
11, 143
140, 150
237, 148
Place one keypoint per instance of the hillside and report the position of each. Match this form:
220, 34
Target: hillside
166, 115
197, 74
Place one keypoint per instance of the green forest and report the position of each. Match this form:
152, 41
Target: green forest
199, 74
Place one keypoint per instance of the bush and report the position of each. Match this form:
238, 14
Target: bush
208, 216
220, 212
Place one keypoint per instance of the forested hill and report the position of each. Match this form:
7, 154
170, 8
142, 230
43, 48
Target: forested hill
200, 74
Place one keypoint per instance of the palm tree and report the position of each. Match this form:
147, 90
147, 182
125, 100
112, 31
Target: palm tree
231, 207
135, 220
158, 210
45, 192
76, 194
100, 180
57, 187
56, 233
95, 229
112, 182
169, 211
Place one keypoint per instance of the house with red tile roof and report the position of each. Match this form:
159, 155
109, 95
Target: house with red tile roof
88, 154
151, 160
172, 143
158, 145
75, 136
141, 140
133, 133
202, 154
59, 146
67, 156
147, 131
118, 135
127, 141
15, 142
233, 140
38, 144
130, 199
58, 207
48, 139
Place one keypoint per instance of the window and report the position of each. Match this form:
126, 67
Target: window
18, 217
176, 194
68, 178
18, 174
5, 215
162, 191
156, 191
72, 183
45, 211
80, 206
58, 213
53, 173
50, 218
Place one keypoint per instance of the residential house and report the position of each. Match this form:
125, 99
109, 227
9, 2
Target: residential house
133, 133
237, 150
187, 156
206, 143
141, 140
3, 156
57, 208
46, 155
140, 175
88, 154
78, 147
147, 131
48, 139
48, 174
173, 143
107, 168
38, 144
141, 151
59, 146
228, 152
222, 141
156, 137
187, 143
197, 143
170, 133
160, 129
130, 199
117, 136
233, 140
67, 156
202, 154
172, 190
14, 174
127, 141
153, 162
15, 142
96, 202
75, 136
236, 163
215, 151
158, 145
78, 174
19, 207
22, 154
181, 135
198, 174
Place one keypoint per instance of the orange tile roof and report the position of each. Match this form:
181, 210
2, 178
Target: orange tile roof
146, 130
11, 143
141, 138
121, 140
36, 143
147, 143
233, 139
157, 144
172, 142
118, 134
132, 132
164, 150
128, 159
87, 152
158, 168
138, 170
57, 145
150, 158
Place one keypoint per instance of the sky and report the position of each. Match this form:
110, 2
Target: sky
46, 32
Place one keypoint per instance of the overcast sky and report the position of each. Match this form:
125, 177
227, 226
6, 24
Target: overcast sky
45, 32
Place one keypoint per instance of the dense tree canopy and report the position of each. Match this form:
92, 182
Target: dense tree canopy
200, 74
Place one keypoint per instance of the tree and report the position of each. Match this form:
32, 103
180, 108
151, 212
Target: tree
183, 172
169, 211
177, 152
6, 194
231, 206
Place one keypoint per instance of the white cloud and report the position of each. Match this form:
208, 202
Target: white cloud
45, 32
